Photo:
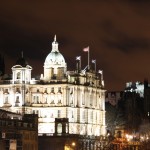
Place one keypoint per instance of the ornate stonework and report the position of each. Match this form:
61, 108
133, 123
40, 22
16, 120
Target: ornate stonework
77, 95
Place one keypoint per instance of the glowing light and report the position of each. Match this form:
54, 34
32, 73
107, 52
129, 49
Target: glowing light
73, 144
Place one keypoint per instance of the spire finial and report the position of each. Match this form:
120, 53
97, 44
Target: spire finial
55, 45
55, 38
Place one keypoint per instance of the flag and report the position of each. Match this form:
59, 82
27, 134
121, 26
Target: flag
100, 71
78, 58
86, 49
93, 61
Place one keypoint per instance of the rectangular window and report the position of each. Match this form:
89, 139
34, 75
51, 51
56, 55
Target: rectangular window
91, 116
91, 100
17, 99
83, 115
72, 114
59, 89
6, 100
52, 90
37, 97
59, 113
83, 101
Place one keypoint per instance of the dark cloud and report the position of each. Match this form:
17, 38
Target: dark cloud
116, 31
128, 45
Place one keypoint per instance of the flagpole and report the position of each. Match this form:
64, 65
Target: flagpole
102, 76
101, 73
80, 65
88, 59
95, 66
87, 50
102, 81
78, 59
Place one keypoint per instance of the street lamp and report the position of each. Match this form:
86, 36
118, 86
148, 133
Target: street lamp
70, 146
73, 144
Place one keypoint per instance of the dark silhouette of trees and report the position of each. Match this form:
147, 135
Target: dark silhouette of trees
114, 117
128, 113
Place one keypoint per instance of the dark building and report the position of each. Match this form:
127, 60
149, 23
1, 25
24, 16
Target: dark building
69, 142
135, 104
125, 110
113, 97
142, 91
133, 109
18, 132
146, 99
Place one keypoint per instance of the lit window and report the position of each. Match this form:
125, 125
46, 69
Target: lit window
83, 115
90, 99
18, 75
59, 128
59, 90
83, 101
45, 99
91, 116
59, 98
52, 98
52, 90
59, 113
17, 99
6, 100
72, 114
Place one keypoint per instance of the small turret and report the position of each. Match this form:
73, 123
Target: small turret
21, 71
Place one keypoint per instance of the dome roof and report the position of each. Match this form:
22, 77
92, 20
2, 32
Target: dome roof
54, 57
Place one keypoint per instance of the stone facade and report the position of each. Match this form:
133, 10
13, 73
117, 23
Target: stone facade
78, 95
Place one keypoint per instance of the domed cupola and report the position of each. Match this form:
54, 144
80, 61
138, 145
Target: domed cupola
21, 71
54, 65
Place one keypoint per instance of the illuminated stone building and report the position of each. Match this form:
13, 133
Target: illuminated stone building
78, 95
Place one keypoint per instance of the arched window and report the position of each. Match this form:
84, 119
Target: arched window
36, 99
119, 134
59, 96
45, 99
18, 75
52, 96
17, 99
6, 100
59, 128
59, 113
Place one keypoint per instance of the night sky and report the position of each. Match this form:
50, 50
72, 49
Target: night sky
117, 32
